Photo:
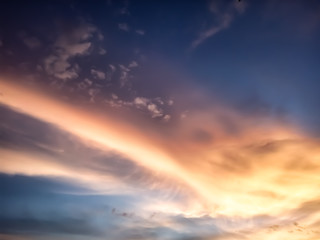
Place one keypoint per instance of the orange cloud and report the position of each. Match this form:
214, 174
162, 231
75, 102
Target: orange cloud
238, 166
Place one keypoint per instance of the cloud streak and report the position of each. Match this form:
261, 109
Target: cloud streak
235, 166
223, 19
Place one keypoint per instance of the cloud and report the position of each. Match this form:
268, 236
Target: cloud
59, 154
140, 32
75, 42
123, 27
154, 110
223, 17
98, 74
150, 106
32, 42
102, 51
133, 64
167, 118
125, 9
124, 75
246, 172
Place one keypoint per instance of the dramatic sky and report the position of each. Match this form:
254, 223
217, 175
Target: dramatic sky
160, 120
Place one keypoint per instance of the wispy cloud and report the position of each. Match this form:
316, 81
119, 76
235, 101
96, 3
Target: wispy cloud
223, 16
250, 176
140, 32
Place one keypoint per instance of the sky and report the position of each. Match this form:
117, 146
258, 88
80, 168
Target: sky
149, 120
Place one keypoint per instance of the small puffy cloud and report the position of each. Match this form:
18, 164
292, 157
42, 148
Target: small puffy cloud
123, 27
141, 101
167, 118
98, 74
155, 110
170, 102
133, 64
59, 67
149, 106
84, 84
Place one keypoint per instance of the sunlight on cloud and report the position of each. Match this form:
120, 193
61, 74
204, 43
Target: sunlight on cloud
260, 174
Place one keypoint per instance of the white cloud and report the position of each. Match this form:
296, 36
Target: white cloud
154, 110
141, 101
223, 18
98, 74
123, 27
167, 118
148, 105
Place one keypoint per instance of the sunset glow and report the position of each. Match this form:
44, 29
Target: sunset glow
109, 133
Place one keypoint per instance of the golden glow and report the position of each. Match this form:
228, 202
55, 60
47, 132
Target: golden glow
263, 168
